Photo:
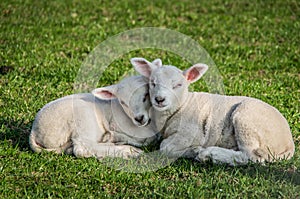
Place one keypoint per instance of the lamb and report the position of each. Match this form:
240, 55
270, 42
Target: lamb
104, 123
226, 129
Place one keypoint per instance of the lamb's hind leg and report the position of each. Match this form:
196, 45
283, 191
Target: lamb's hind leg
89, 138
92, 140
262, 132
221, 155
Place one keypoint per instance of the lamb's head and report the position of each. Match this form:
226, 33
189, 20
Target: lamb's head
133, 95
168, 85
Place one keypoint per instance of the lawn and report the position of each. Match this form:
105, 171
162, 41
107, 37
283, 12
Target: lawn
255, 46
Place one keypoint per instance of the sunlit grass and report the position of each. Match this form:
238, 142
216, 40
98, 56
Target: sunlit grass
255, 46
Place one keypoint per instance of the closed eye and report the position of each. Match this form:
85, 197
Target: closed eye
123, 103
145, 97
177, 85
152, 83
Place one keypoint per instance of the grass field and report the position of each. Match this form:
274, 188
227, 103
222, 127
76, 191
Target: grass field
255, 45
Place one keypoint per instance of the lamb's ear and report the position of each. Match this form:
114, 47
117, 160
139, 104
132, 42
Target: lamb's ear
143, 66
105, 93
157, 62
195, 72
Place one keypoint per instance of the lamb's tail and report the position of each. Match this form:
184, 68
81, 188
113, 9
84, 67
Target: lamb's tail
38, 147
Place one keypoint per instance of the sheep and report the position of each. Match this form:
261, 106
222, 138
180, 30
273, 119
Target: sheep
230, 130
104, 123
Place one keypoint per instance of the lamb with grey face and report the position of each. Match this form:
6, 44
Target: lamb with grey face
225, 129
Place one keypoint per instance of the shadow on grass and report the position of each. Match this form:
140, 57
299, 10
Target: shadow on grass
16, 133
274, 172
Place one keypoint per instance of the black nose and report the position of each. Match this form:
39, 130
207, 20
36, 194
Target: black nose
159, 99
139, 119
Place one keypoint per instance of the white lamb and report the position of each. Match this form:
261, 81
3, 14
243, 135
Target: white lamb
226, 129
103, 126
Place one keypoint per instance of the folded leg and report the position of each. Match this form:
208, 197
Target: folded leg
222, 155
88, 148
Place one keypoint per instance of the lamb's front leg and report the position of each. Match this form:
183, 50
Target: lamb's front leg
123, 139
88, 148
222, 155
177, 146
122, 151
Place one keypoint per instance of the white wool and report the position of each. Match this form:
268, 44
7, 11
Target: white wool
226, 129
99, 126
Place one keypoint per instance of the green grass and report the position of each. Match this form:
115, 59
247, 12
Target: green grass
255, 45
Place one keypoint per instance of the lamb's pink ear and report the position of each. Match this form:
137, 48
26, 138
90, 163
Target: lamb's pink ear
105, 93
157, 62
143, 66
195, 72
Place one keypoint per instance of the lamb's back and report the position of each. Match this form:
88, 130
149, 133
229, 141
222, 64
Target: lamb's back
207, 118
